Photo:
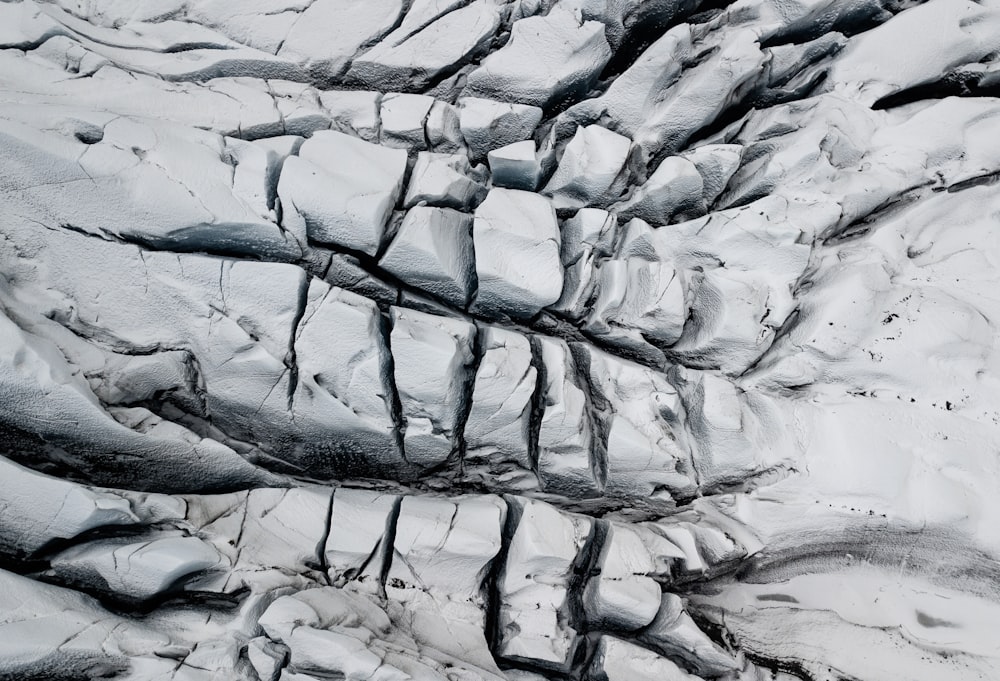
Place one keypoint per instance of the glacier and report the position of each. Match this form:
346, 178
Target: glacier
501, 340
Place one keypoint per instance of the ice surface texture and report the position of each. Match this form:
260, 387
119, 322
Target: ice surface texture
587, 340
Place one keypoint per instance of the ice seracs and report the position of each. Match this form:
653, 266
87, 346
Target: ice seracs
497, 429
445, 180
357, 546
414, 55
673, 632
327, 628
488, 124
516, 239
516, 166
586, 239
442, 550
340, 190
341, 352
355, 112
568, 56
675, 188
659, 104
622, 596
282, 529
443, 128
451, 563
257, 168
716, 164
645, 455
433, 251
534, 586
637, 302
299, 107
566, 455
432, 356
309, 23
403, 118
619, 660
590, 169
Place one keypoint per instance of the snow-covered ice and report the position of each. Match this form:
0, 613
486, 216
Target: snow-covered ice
503, 340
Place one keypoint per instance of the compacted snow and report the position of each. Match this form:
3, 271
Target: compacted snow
447, 340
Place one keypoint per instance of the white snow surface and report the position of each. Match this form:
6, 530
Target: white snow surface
505, 340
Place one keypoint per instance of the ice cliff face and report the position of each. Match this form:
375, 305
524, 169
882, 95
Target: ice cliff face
601, 340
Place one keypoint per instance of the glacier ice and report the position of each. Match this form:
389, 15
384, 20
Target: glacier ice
458, 340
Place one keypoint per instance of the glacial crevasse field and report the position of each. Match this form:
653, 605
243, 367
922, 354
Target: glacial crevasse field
584, 340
